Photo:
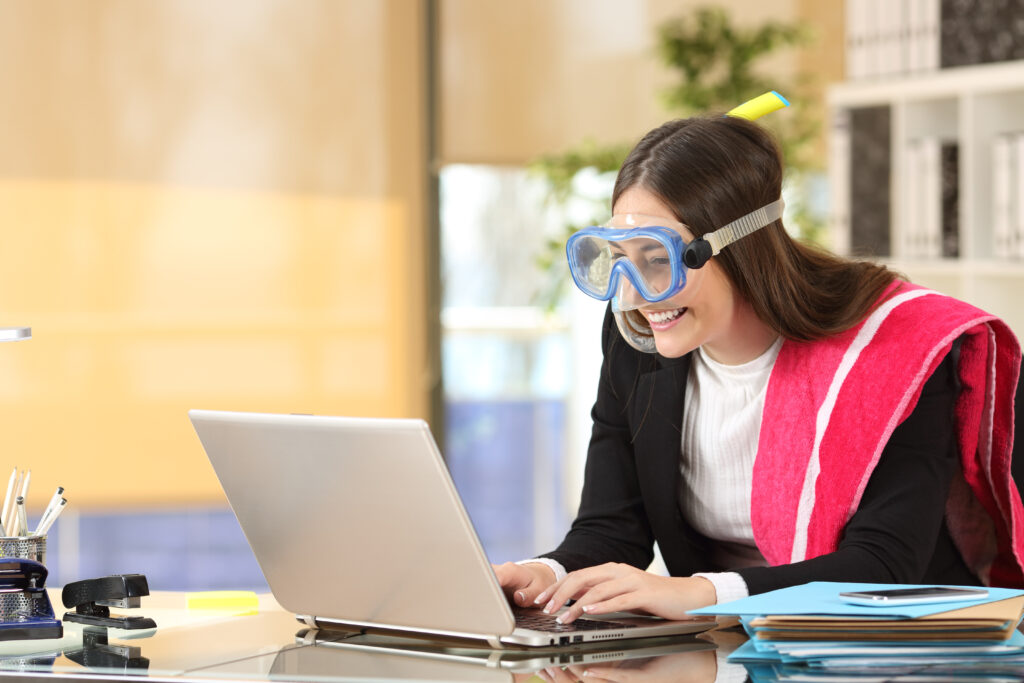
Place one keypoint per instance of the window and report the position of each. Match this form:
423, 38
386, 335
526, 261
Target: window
506, 360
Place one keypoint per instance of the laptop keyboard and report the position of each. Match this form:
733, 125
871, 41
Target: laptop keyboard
538, 621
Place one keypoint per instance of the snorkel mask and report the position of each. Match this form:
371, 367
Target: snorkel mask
635, 259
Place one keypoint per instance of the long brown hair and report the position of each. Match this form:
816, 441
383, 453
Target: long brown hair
712, 170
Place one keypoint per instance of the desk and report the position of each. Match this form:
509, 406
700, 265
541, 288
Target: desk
203, 645
271, 645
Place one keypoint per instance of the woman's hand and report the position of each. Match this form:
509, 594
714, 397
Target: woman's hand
522, 583
616, 587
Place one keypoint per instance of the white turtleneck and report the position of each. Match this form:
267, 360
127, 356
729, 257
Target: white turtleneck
721, 423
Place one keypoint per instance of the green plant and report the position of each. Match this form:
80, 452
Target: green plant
715, 63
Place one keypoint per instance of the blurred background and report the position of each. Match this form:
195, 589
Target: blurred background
358, 207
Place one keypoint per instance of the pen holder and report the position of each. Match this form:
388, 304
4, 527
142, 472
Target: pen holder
25, 547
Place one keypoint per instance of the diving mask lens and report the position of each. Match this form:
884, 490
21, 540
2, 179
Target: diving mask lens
626, 262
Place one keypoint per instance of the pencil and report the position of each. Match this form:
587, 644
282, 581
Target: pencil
5, 514
9, 515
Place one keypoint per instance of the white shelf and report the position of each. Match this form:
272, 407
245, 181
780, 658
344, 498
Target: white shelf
970, 106
952, 83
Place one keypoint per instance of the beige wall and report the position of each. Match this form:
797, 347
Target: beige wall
525, 78
203, 204
824, 58
221, 204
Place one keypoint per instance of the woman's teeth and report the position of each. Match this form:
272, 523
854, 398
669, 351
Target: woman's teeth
665, 316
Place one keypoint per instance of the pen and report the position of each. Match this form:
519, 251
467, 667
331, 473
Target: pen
44, 525
54, 502
23, 496
22, 520
23, 492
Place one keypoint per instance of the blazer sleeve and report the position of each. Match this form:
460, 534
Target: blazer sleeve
899, 526
611, 524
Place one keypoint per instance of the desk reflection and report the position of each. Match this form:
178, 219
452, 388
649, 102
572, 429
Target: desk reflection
694, 666
683, 667
341, 656
97, 652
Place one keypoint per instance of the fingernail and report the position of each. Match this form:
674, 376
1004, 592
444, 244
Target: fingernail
561, 618
587, 608
541, 598
547, 607
521, 597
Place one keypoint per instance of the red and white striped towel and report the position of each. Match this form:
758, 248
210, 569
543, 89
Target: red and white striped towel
832, 405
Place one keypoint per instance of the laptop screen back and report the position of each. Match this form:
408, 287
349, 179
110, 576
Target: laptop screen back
354, 519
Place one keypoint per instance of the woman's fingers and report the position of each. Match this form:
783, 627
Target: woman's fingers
580, 585
557, 674
522, 582
621, 594
620, 587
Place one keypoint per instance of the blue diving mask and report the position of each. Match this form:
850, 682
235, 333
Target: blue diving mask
635, 259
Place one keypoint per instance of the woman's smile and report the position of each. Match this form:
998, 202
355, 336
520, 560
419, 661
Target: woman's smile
663, 320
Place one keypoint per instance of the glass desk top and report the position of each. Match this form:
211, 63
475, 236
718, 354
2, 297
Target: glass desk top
271, 645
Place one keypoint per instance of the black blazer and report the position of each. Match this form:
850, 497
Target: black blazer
632, 479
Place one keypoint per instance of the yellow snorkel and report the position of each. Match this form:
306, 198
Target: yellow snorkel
759, 106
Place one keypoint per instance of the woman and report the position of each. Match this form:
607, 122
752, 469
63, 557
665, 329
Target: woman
772, 414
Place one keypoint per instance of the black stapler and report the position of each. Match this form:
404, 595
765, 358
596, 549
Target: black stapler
93, 598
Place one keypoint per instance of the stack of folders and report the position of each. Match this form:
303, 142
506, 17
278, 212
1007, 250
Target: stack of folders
809, 633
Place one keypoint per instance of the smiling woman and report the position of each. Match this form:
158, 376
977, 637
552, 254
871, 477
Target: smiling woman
779, 415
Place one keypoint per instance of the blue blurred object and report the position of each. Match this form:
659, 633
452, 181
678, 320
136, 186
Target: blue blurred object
506, 459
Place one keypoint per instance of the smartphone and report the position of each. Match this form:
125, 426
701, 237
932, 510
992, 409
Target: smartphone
913, 596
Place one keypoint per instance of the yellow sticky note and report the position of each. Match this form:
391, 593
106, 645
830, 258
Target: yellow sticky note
223, 600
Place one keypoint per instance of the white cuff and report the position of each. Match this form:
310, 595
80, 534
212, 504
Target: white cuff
556, 567
729, 586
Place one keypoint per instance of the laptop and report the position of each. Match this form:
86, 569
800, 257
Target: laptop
355, 523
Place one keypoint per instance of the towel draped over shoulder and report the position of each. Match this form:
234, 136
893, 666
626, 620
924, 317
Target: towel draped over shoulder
832, 405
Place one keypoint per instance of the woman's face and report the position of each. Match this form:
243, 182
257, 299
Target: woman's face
707, 312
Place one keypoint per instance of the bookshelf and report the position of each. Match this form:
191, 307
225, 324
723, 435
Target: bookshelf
885, 195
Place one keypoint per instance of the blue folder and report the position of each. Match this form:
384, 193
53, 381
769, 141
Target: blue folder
822, 598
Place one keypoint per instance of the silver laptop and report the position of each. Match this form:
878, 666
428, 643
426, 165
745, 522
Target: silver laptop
356, 522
